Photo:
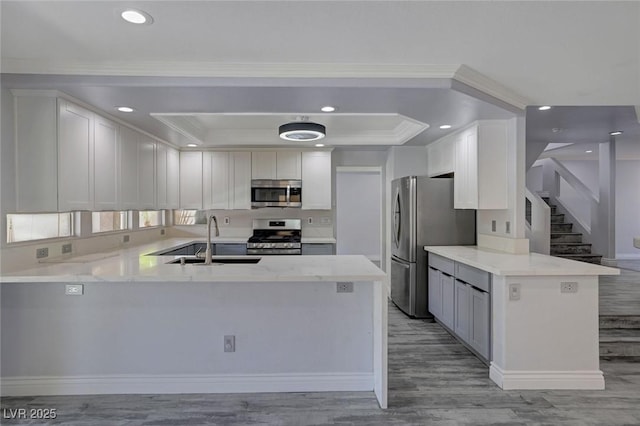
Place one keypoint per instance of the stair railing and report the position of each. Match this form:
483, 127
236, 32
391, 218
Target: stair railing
538, 226
572, 196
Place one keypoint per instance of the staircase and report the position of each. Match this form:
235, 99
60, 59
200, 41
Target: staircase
566, 243
620, 336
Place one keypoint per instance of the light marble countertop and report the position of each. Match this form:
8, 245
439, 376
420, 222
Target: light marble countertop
318, 240
530, 264
132, 264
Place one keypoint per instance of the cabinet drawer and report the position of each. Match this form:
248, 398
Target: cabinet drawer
441, 263
473, 276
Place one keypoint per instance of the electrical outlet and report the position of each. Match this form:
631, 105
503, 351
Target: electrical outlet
162, 232
227, 220
344, 287
66, 248
229, 343
42, 252
493, 226
569, 287
125, 238
507, 227
310, 220
514, 291
74, 289
325, 221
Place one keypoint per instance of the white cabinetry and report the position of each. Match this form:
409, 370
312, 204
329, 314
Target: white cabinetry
36, 168
75, 157
146, 172
276, 165
316, 180
191, 180
440, 157
462, 301
240, 173
167, 177
128, 168
106, 164
481, 166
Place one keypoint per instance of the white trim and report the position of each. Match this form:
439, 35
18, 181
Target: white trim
627, 256
169, 384
546, 379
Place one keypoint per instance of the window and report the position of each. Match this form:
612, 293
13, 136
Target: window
108, 221
184, 217
28, 227
150, 218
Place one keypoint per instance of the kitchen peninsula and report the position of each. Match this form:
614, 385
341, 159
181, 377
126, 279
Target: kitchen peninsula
138, 324
543, 314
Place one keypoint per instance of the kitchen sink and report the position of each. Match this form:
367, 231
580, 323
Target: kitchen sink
216, 261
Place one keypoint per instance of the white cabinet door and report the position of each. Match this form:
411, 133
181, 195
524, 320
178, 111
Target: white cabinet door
191, 180
465, 184
288, 165
216, 182
264, 165
173, 178
106, 164
448, 300
480, 329
462, 302
240, 173
75, 158
128, 168
36, 167
316, 180
434, 293
146, 172
441, 157
167, 177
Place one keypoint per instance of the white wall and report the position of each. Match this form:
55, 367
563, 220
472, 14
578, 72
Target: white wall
534, 179
627, 208
586, 171
7, 160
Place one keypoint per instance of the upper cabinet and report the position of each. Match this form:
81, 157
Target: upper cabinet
106, 165
128, 168
227, 180
276, 165
316, 180
75, 157
167, 177
191, 179
36, 153
440, 157
146, 172
481, 166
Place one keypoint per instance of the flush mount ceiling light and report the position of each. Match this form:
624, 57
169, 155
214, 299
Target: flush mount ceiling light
125, 109
136, 16
615, 133
445, 126
328, 108
319, 145
544, 107
302, 131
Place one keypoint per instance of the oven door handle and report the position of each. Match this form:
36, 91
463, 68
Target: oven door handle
288, 194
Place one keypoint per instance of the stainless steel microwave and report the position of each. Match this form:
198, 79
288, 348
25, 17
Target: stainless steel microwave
276, 193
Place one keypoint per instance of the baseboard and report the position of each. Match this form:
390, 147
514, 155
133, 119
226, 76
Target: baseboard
136, 384
628, 257
508, 380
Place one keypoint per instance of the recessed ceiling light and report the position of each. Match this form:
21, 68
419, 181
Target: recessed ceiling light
328, 108
136, 16
544, 107
191, 145
125, 109
556, 129
616, 133
589, 151
319, 145
445, 126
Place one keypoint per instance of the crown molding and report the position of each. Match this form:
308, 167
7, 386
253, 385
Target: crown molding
481, 82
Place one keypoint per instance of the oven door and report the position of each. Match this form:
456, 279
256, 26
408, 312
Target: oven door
276, 193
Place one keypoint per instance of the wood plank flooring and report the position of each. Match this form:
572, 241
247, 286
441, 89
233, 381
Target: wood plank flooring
620, 295
433, 380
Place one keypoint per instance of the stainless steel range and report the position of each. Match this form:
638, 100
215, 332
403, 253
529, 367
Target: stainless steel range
275, 236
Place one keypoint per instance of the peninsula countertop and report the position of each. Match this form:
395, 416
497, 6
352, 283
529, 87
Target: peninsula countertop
134, 264
530, 264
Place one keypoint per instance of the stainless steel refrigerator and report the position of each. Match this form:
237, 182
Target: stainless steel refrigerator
422, 215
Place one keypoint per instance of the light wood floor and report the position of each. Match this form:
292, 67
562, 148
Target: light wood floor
620, 295
433, 380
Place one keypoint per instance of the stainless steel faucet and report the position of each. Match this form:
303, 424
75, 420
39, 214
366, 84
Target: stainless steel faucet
207, 253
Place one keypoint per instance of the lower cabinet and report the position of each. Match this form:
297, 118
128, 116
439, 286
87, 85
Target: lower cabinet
461, 302
231, 249
318, 249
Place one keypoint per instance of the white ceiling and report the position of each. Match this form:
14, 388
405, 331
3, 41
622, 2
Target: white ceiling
285, 57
